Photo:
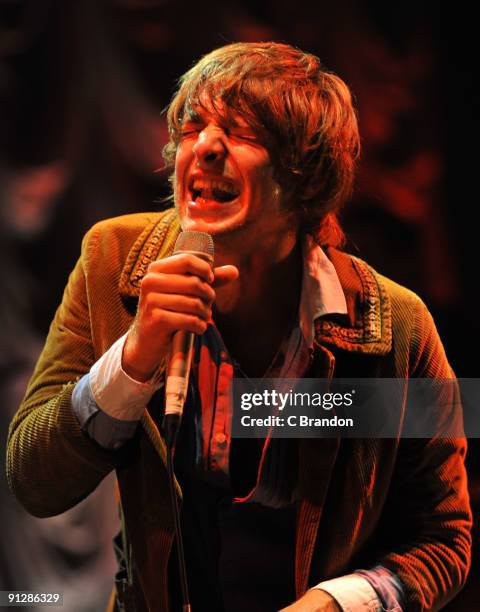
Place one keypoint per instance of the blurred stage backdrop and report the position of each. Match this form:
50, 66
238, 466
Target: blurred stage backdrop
82, 86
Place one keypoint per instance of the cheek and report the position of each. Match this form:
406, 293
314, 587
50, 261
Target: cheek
181, 160
178, 166
261, 174
178, 179
266, 183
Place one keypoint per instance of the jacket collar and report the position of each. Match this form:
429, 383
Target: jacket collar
367, 328
368, 325
155, 242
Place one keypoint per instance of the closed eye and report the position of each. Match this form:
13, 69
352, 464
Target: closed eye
185, 133
249, 136
190, 128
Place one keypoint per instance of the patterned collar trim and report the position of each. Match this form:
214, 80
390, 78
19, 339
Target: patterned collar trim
367, 330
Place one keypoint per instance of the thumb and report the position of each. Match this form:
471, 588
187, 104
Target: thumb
224, 275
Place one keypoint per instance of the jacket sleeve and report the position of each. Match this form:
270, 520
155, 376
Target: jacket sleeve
430, 535
51, 463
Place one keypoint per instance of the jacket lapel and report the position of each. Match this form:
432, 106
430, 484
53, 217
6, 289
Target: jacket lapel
368, 329
155, 242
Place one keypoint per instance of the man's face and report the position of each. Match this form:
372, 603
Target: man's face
224, 180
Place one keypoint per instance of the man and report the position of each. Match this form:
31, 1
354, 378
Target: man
263, 142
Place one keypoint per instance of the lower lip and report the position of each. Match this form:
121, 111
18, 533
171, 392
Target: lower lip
211, 208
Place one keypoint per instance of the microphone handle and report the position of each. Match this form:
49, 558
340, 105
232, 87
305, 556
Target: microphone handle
178, 372
176, 386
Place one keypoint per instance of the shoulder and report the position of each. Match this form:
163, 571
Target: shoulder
413, 326
125, 228
361, 282
382, 314
401, 296
408, 310
114, 239
119, 250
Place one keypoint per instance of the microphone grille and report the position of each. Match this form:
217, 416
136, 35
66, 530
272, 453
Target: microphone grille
199, 242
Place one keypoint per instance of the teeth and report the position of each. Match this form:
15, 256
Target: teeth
210, 185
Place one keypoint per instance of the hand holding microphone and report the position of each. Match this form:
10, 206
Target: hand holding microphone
176, 295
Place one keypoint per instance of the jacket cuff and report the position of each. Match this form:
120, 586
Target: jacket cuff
110, 433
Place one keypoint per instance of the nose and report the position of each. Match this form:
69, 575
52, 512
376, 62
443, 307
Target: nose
210, 147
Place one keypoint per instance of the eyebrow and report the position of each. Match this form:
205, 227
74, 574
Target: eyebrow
193, 116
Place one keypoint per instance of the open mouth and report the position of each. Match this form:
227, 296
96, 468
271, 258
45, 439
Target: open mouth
207, 190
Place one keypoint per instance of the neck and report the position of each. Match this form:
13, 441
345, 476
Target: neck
266, 274
255, 312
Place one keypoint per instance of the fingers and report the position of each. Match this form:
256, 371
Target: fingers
159, 282
182, 304
170, 322
181, 285
183, 263
225, 275
187, 275
148, 340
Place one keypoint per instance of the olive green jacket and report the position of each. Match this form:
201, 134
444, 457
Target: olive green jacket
401, 503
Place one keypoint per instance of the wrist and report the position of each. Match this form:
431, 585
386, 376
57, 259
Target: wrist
314, 600
134, 363
318, 599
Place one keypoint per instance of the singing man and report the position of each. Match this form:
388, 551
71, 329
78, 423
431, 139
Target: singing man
263, 145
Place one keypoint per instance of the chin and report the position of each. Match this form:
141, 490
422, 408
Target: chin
195, 225
210, 227
211, 224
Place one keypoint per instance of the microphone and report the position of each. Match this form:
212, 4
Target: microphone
178, 368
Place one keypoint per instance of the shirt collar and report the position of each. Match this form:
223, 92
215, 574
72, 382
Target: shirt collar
322, 293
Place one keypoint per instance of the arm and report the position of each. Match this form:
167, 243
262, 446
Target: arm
51, 463
423, 538
427, 519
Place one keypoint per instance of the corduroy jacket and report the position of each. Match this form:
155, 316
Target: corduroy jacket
402, 503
